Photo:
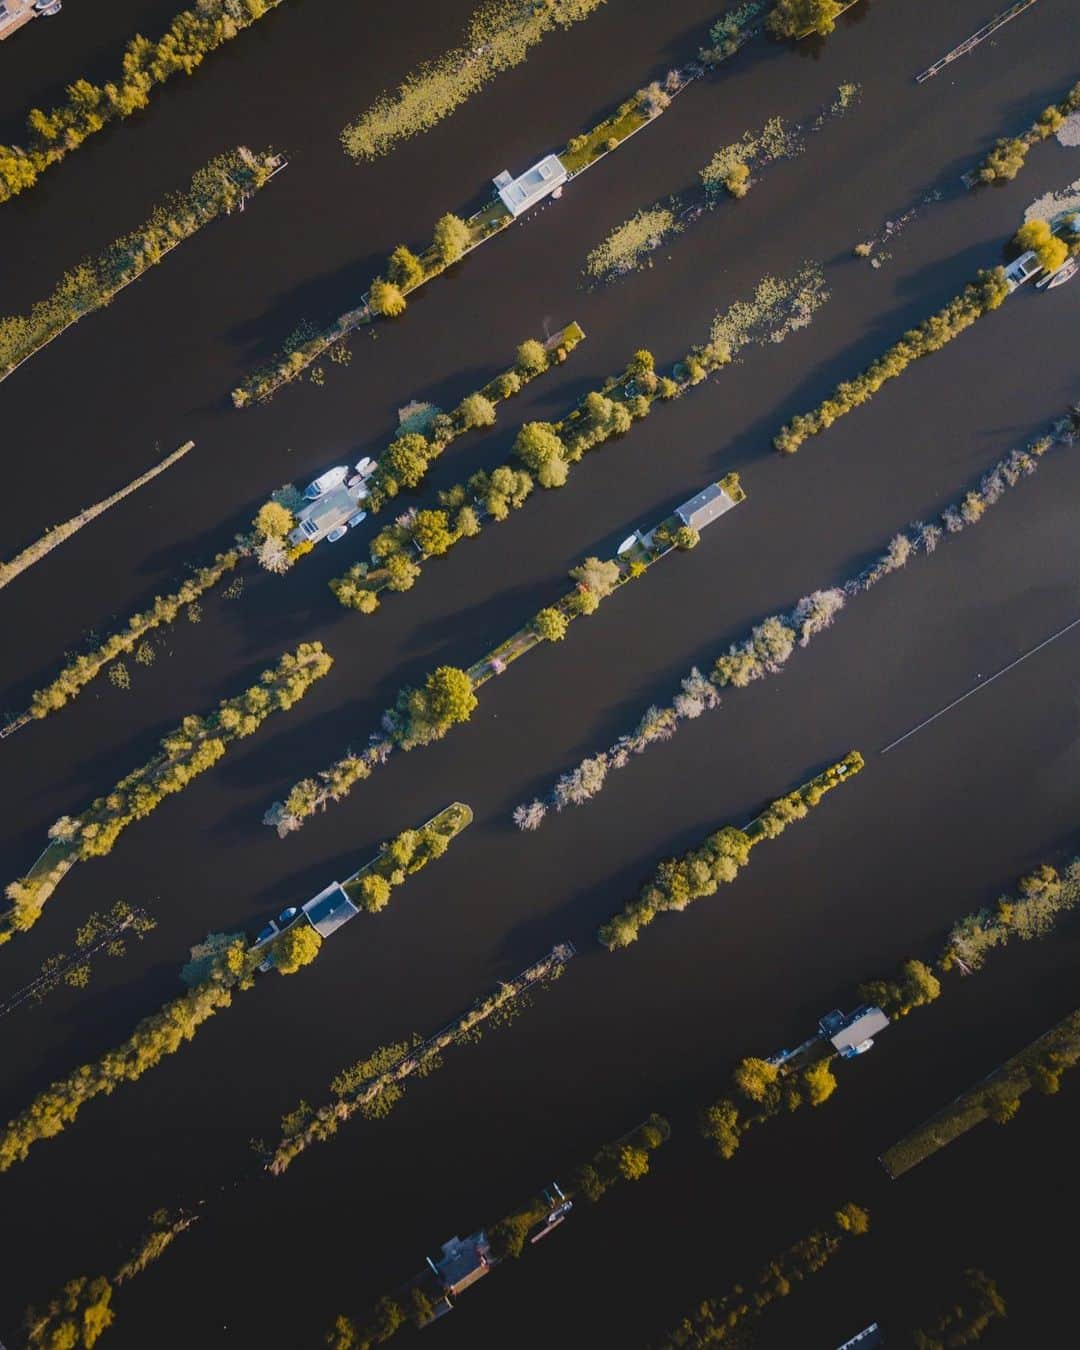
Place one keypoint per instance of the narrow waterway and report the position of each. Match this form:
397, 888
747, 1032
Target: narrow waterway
939, 825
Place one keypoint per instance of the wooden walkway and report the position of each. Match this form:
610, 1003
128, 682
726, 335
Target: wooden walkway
969, 44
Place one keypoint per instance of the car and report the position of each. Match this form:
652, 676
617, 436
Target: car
332, 478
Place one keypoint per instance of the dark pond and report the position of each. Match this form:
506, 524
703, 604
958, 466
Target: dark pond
936, 827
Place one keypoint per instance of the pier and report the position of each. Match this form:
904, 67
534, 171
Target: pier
969, 44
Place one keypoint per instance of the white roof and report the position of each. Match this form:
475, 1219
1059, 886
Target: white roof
518, 194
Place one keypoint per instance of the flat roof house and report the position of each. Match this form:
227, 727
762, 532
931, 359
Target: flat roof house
518, 194
854, 1033
463, 1262
328, 910
703, 509
328, 512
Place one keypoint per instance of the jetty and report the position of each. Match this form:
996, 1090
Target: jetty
15, 13
969, 44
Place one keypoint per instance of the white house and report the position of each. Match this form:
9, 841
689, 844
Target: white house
518, 194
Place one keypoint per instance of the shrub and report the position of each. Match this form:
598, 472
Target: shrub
298, 946
450, 238
550, 624
531, 358
793, 18
386, 299
405, 269
475, 411
406, 460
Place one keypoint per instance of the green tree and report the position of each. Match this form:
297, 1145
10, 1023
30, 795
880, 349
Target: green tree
374, 892
853, 1219
754, 1078
550, 624
273, 521
405, 269
475, 411
431, 530
531, 358
298, 946
75, 1320
386, 299
686, 538
792, 18
401, 572
633, 1163
539, 448
450, 237
406, 459
450, 695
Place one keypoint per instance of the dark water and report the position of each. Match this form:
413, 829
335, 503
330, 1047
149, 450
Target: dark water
929, 831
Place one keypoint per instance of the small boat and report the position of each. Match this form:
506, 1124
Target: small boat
1065, 273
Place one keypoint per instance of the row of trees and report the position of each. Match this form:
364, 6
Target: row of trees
978, 298
373, 1086
723, 1320
1007, 157
772, 642
89, 107
166, 609
997, 1097
800, 18
721, 857
761, 1090
82, 1312
189, 750
216, 188
499, 35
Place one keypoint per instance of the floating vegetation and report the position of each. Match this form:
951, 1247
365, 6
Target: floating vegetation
626, 247
730, 166
119, 675
499, 36
780, 306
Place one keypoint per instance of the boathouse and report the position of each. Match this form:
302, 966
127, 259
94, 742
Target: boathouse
518, 194
327, 513
328, 910
854, 1033
703, 509
462, 1263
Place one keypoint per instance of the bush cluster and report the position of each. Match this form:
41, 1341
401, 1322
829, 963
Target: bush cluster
720, 858
89, 107
978, 298
799, 18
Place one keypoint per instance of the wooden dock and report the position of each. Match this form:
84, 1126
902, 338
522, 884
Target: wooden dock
969, 44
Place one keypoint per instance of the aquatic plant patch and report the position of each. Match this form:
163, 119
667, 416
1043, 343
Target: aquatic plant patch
373, 1086
216, 189
53, 135
499, 36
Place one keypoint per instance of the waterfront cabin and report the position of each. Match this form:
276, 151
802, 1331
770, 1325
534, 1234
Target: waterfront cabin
331, 512
462, 1263
852, 1034
1022, 269
703, 509
518, 194
327, 911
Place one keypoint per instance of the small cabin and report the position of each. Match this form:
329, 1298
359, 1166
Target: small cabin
703, 509
327, 911
518, 194
852, 1034
462, 1263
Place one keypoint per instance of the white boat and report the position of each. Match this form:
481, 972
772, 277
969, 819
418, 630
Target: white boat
1065, 273
332, 478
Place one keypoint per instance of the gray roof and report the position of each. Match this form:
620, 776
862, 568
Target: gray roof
327, 512
863, 1023
329, 910
703, 509
518, 194
463, 1261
